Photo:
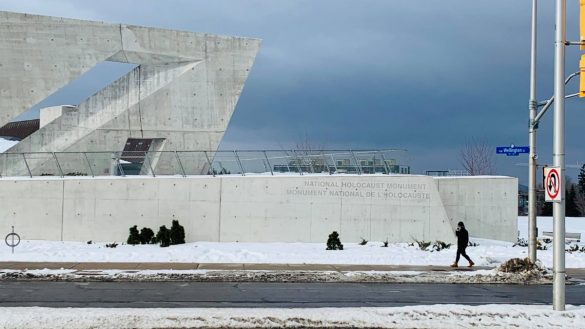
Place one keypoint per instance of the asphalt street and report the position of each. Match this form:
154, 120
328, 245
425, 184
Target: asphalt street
208, 294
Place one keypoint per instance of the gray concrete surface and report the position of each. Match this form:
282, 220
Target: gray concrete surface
396, 208
190, 294
184, 89
220, 266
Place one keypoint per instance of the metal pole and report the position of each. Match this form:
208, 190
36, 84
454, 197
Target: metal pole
532, 105
88, 164
58, 164
119, 165
297, 161
239, 163
334, 163
269, 165
149, 164
359, 166
181, 164
209, 163
26, 164
559, 158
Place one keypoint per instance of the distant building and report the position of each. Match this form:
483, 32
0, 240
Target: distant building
342, 166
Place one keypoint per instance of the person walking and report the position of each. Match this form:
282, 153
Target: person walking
462, 242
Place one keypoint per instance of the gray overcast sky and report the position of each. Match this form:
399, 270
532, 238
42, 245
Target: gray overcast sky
423, 75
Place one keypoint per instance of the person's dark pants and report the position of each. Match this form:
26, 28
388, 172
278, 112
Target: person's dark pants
461, 252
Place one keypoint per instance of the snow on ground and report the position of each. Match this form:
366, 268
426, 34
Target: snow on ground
428, 316
488, 253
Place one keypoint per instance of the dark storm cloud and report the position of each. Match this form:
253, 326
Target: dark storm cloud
423, 75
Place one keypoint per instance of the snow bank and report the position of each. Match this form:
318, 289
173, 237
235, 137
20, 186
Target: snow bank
432, 316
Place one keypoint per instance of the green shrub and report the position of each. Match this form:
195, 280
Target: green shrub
440, 245
177, 233
75, 173
134, 237
333, 242
521, 243
423, 245
163, 236
146, 236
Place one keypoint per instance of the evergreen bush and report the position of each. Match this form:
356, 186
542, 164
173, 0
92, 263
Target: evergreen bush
333, 242
440, 245
134, 237
146, 236
177, 233
423, 245
163, 236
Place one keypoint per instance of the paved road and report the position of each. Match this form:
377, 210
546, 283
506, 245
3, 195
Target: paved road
197, 294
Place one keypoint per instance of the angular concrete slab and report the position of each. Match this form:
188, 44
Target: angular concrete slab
184, 90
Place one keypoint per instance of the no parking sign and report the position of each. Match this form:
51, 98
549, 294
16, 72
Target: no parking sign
552, 184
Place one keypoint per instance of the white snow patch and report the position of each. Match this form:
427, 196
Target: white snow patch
429, 316
488, 253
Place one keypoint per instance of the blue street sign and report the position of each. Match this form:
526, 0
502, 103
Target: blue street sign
512, 150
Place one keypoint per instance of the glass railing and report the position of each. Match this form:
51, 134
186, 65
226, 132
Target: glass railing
186, 163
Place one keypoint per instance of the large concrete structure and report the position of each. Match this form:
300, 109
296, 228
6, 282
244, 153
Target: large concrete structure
399, 208
183, 90
180, 97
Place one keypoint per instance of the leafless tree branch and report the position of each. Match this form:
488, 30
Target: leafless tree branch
477, 158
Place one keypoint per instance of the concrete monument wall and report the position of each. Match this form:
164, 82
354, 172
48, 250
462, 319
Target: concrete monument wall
261, 208
477, 201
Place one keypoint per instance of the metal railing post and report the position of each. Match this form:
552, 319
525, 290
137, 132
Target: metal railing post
209, 164
120, 169
359, 166
311, 163
297, 162
149, 164
239, 163
58, 164
334, 163
181, 164
325, 163
269, 164
385, 164
287, 165
26, 164
88, 164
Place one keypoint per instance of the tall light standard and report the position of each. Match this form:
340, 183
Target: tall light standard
532, 105
559, 157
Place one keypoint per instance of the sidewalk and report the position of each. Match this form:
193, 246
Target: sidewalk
258, 272
229, 267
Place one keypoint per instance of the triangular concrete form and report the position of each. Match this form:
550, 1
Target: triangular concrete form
184, 90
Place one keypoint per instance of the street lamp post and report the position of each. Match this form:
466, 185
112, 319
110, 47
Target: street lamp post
559, 157
532, 106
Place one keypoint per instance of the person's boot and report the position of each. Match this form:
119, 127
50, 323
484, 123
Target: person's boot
471, 264
454, 265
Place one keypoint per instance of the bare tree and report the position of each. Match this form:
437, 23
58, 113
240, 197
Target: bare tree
477, 158
306, 155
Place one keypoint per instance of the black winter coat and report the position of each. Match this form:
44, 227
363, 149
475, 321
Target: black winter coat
462, 238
